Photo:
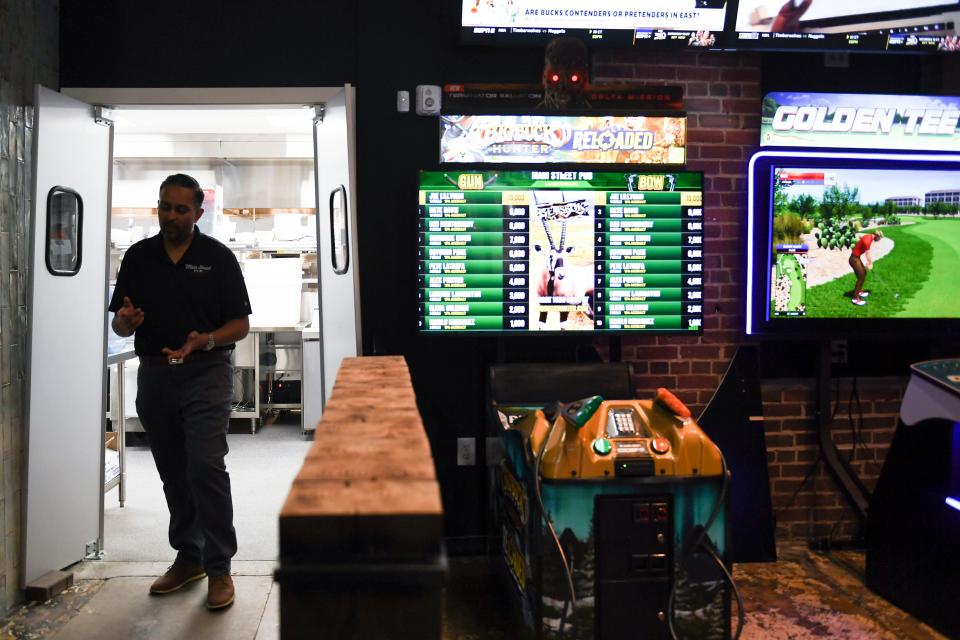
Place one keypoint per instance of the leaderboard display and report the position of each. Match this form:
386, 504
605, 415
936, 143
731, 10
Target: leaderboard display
521, 251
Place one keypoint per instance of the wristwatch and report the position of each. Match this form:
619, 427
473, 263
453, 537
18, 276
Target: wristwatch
211, 343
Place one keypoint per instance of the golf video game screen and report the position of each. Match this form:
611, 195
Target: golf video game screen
523, 251
864, 243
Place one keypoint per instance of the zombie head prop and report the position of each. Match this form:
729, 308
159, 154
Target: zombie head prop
566, 63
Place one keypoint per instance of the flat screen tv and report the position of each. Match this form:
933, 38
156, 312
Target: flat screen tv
551, 250
661, 24
905, 26
853, 244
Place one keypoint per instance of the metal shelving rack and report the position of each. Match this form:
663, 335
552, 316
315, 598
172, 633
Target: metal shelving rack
246, 358
291, 363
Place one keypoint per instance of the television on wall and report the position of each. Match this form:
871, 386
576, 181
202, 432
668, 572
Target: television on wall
660, 24
903, 26
552, 250
813, 216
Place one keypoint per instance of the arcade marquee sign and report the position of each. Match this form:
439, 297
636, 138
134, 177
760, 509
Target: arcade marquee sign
930, 123
559, 138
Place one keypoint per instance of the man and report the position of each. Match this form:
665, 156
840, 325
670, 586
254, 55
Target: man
861, 253
182, 293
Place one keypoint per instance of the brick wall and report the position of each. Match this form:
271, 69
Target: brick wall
722, 98
722, 94
806, 502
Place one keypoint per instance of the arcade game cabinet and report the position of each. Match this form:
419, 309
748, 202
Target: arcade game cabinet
613, 521
913, 524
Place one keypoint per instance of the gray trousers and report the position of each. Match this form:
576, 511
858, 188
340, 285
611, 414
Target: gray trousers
185, 411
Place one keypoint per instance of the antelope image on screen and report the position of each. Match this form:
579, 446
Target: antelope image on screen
902, 226
561, 261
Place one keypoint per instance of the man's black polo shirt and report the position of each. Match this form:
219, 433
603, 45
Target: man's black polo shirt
200, 293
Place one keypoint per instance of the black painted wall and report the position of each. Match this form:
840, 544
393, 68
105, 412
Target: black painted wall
207, 43
380, 48
383, 47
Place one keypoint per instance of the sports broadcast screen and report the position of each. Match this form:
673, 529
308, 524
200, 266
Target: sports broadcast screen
660, 23
560, 250
882, 25
864, 243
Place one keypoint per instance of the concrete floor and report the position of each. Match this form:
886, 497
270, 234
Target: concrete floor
122, 608
110, 599
802, 596
261, 467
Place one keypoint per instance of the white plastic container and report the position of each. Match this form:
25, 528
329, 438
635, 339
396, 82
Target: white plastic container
274, 286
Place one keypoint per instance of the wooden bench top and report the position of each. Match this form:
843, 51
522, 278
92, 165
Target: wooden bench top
368, 484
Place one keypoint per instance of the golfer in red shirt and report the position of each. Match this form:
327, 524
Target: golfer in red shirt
859, 256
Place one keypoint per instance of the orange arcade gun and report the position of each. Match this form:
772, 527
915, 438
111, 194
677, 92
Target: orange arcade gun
613, 522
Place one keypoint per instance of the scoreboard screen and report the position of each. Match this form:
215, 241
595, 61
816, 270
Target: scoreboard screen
560, 250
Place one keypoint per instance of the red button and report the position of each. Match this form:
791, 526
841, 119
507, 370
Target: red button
660, 445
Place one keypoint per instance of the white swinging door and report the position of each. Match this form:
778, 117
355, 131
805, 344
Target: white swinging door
65, 356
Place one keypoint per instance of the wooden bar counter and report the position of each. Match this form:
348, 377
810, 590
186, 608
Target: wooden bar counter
360, 532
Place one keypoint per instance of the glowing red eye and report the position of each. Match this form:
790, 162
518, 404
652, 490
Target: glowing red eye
555, 78
574, 78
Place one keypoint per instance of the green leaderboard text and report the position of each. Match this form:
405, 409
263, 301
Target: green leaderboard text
558, 250
496, 324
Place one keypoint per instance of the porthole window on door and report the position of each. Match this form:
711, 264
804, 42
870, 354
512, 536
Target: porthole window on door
339, 238
64, 231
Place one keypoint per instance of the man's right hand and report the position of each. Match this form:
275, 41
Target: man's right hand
127, 319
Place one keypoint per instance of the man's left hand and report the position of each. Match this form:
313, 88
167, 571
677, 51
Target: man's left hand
195, 342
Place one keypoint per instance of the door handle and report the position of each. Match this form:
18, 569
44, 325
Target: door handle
341, 270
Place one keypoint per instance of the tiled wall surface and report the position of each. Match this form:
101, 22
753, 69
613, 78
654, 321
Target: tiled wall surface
28, 55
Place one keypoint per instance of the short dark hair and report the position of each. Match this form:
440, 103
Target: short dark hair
183, 180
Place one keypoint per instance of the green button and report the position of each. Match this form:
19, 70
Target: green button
602, 446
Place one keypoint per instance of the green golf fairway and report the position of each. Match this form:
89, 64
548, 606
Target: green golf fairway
938, 297
913, 280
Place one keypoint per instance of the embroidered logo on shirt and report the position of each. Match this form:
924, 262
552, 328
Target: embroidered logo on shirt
197, 268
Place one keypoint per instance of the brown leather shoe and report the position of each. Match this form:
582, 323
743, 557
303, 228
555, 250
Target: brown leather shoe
219, 592
177, 576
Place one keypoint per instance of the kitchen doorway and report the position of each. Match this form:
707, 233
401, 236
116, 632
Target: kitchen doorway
255, 154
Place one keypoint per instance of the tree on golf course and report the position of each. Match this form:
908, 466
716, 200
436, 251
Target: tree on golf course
839, 202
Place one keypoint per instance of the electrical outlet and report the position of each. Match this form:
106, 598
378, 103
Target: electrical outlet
493, 451
838, 351
466, 452
837, 59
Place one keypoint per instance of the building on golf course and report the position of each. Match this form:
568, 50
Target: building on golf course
902, 202
950, 196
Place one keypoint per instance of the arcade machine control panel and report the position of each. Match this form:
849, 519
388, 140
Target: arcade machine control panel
623, 438
626, 485
945, 373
